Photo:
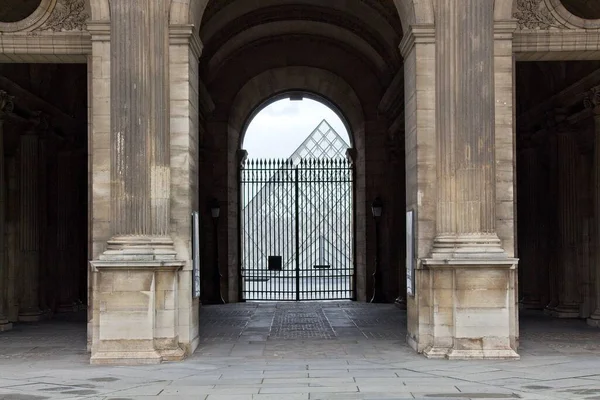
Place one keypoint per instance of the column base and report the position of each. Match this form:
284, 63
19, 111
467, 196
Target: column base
67, 308
566, 311
400, 302
472, 306
4, 324
125, 358
468, 247
594, 320
435, 353
531, 304
31, 315
172, 355
505, 354
137, 319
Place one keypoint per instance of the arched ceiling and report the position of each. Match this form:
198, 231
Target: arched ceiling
368, 32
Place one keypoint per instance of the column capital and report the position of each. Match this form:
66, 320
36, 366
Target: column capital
591, 101
417, 34
99, 30
186, 35
505, 29
7, 104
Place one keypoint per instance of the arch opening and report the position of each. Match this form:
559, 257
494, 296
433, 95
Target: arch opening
286, 120
296, 203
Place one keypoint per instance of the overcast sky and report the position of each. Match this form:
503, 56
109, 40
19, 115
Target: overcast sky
278, 129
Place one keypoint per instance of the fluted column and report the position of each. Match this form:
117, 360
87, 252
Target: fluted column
593, 102
467, 262
568, 296
140, 260
530, 234
553, 247
6, 106
140, 161
29, 229
65, 209
465, 130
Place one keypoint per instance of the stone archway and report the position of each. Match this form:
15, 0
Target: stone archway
254, 94
411, 12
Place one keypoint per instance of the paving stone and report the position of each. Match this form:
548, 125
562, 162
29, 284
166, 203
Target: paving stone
307, 351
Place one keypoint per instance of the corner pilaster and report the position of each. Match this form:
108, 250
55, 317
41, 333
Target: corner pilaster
471, 279
135, 283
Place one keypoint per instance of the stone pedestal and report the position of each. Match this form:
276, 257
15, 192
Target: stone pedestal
471, 303
138, 312
470, 292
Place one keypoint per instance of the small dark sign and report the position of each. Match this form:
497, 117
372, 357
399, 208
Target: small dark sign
275, 263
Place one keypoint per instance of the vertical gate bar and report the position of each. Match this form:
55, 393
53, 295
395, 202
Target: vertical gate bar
297, 183
257, 224
348, 227
322, 177
277, 215
344, 193
290, 225
242, 213
352, 174
251, 230
343, 224
255, 231
335, 273
289, 231
270, 225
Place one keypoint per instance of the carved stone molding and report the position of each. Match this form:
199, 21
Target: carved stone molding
52, 16
6, 103
592, 100
67, 15
534, 14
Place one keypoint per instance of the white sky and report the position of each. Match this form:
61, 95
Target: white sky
278, 129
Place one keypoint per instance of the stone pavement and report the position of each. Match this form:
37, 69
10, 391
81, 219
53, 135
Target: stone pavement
337, 350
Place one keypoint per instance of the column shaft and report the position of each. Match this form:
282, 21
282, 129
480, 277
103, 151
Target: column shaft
568, 214
29, 228
465, 128
139, 119
5, 106
65, 209
594, 319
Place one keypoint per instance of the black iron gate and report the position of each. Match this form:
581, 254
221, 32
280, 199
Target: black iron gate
297, 230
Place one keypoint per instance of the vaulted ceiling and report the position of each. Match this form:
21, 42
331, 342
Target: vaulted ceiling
356, 40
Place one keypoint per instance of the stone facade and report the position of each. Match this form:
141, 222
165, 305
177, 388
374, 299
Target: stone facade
170, 89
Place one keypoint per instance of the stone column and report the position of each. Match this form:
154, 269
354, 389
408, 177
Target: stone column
137, 274
468, 263
593, 103
552, 234
6, 106
29, 221
530, 235
465, 130
568, 218
65, 209
140, 163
